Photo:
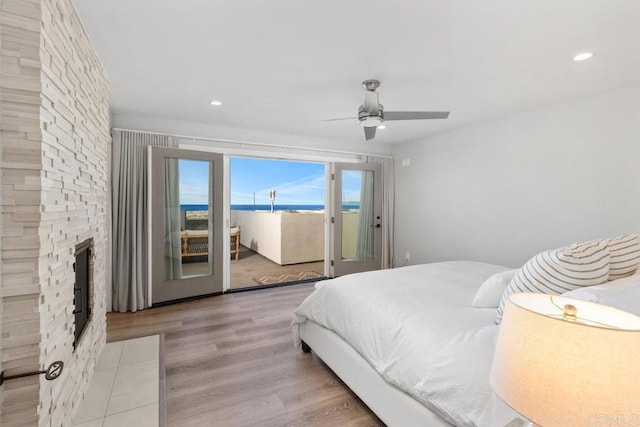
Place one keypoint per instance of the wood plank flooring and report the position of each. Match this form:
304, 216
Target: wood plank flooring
231, 362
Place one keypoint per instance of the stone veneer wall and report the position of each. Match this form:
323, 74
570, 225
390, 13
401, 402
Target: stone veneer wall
55, 131
21, 195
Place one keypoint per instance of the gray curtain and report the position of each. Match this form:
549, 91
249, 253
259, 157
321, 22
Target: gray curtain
388, 208
364, 244
130, 217
172, 224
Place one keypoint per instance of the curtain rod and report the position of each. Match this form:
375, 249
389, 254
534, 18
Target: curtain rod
257, 144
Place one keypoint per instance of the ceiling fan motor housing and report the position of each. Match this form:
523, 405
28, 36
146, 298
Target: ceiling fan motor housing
370, 119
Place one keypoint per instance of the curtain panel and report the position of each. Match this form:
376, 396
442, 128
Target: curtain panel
130, 217
388, 207
172, 239
364, 244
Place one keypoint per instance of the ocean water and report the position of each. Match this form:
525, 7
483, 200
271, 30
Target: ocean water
268, 207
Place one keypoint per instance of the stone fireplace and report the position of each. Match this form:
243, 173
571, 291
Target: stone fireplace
54, 127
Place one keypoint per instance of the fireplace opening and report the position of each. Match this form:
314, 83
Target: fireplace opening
82, 288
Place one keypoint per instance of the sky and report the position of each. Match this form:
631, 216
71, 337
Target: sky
296, 183
193, 176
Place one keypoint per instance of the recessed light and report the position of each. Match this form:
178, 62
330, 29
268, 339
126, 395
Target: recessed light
216, 103
382, 127
582, 56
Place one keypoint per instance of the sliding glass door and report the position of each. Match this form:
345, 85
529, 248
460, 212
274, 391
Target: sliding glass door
356, 218
186, 224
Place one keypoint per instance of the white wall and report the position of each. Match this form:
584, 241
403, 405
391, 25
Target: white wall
302, 238
261, 232
503, 190
285, 238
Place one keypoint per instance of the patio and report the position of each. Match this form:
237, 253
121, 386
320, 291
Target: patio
253, 269
274, 247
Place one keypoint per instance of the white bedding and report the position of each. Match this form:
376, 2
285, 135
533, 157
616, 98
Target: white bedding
416, 327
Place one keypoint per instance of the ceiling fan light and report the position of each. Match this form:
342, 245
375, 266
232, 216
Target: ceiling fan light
382, 127
370, 121
582, 56
216, 103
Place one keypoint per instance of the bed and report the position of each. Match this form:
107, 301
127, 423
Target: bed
408, 342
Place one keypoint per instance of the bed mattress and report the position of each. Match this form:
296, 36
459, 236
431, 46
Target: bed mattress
415, 326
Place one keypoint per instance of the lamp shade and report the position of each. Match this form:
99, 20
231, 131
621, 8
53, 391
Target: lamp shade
566, 362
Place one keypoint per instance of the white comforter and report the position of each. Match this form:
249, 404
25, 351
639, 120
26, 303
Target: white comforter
416, 327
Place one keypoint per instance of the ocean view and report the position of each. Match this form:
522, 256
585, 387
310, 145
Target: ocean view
192, 208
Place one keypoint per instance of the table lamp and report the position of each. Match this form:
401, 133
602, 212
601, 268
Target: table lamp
565, 362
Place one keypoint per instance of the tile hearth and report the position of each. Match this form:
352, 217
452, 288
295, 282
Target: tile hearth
124, 389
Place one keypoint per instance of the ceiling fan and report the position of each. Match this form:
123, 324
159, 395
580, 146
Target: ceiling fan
371, 113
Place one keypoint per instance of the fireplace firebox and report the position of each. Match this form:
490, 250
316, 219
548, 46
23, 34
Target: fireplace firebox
82, 288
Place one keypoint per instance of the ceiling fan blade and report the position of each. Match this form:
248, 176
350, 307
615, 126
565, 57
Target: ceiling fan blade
342, 118
369, 132
370, 104
415, 115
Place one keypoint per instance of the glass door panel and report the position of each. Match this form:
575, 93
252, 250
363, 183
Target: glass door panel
356, 217
188, 218
186, 241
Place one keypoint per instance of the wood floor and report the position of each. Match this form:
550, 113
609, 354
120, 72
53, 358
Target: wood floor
230, 362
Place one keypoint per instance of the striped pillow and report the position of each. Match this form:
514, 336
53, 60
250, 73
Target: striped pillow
561, 270
625, 256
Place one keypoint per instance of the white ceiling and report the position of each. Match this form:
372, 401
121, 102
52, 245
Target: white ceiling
285, 65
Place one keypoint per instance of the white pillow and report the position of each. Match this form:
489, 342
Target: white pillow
491, 290
625, 256
623, 294
561, 270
